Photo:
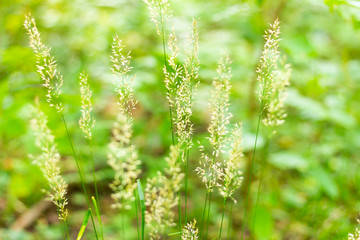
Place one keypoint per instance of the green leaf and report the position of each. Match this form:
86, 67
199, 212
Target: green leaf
288, 160
264, 224
143, 208
83, 226
326, 181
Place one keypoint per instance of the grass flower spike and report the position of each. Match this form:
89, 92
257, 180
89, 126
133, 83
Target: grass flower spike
211, 170
48, 161
190, 231
355, 236
160, 13
46, 65
232, 177
276, 107
161, 196
122, 155
219, 106
86, 121
268, 66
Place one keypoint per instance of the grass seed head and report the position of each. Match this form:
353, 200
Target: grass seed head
48, 161
46, 65
86, 121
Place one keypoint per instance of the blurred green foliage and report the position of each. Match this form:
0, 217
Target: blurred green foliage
310, 189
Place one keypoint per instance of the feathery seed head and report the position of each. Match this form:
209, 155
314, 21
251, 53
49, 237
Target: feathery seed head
86, 121
123, 83
219, 106
232, 177
173, 75
46, 65
160, 13
48, 161
192, 60
267, 68
123, 158
276, 114
209, 170
190, 231
161, 195
355, 236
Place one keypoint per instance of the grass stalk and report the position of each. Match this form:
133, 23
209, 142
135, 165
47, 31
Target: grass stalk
136, 214
208, 217
251, 169
66, 230
229, 222
79, 172
261, 180
186, 182
222, 218
96, 203
203, 215
179, 210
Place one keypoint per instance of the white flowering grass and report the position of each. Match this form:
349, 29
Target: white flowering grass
48, 161
219, 166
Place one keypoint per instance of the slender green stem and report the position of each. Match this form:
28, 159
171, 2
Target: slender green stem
208, 216
186, 182
203, 215
251, 169
79, 171
222, 217
229, 224
66, 230
179, 210
97, 211
136, 214
261, 180
97, 206
143, 208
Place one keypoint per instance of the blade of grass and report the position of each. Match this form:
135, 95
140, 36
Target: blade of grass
83, 226
136, 214
97, 211
143, 208
79, 171
222, 217
97, 205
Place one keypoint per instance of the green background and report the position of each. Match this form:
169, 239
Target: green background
311, 184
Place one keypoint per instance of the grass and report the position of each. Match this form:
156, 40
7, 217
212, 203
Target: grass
162, 198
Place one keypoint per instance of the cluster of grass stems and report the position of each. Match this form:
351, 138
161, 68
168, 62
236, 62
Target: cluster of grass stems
154, 200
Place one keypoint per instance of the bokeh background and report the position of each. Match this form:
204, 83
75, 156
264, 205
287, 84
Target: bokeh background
311, 185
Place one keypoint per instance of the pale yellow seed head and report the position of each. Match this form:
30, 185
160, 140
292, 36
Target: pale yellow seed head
46, 65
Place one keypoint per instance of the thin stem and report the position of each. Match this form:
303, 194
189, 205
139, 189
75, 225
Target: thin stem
222, 217
66, 229
79, 171
229, 224
179, 211
186, 182
261, 180
136, 214
251, 169
98, 212
203, 215
208, 217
